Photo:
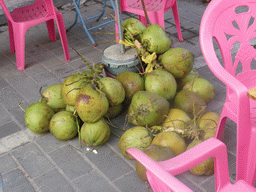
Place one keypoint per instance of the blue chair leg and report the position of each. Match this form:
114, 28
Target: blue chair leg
78, 15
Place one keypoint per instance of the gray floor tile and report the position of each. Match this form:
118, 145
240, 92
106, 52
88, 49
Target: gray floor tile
93, 182
53, 181
16, 181
131, 182
32, 160
7, 163
8, 129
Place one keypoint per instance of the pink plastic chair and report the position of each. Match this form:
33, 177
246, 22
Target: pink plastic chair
155, 10
21, 19
159, 173
230, 21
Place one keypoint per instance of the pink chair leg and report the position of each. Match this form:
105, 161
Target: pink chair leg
51, 29
117, 31
11, 37
63, 36
158, 19
19, 39
177, 20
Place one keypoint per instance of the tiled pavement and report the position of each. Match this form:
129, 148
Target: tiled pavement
30, 162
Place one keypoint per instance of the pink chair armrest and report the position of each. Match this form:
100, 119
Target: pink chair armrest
187, 160
153, 167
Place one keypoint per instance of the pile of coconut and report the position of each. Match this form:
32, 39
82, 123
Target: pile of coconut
166, 104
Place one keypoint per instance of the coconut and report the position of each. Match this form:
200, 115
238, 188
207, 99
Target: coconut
170, 139
71, 87
131, 82
132, 28
190, 102
177, 119
114, 111
63, 125
91, 105
70, 108
148, 109
204, 168
157, 153
178, 61
162, 83
113, 90
95, 134
37, 117
138, 137
188, 78
53, 97
155, 39
208, 123
202, 87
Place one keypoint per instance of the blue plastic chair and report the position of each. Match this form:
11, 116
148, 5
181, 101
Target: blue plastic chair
81, 20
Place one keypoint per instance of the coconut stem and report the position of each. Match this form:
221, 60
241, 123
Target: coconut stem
112, 125
78, 128
87, 64
145, 11
21, 107
116, 134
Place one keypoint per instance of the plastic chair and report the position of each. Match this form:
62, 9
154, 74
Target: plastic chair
21, 19
155, 10
81, 20
159, 173
230, 21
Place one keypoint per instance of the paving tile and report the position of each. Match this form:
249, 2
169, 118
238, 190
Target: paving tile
53, 181
27, 88
8, 129
4, 116
131, 182
72, 164
191, 185
113, 166
209, 185
15, 181
7, 163
93, 182
49, 143
32, 160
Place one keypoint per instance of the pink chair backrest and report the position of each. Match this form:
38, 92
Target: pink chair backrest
156, 4
229, 27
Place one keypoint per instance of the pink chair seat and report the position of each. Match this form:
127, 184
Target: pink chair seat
21, 19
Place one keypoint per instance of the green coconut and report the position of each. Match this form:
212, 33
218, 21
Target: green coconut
53, 97
188, 78
63, 125
157, 153
70, 108
162, 83
71, 87
38, 116
114, 110
178, 61
131, 82
91, 105
138, 137
95, 134
202, 87
155, 39
113, 90
177, 119
172, 140
148, 109
132, 28
208, 123
204, 168
190, 102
